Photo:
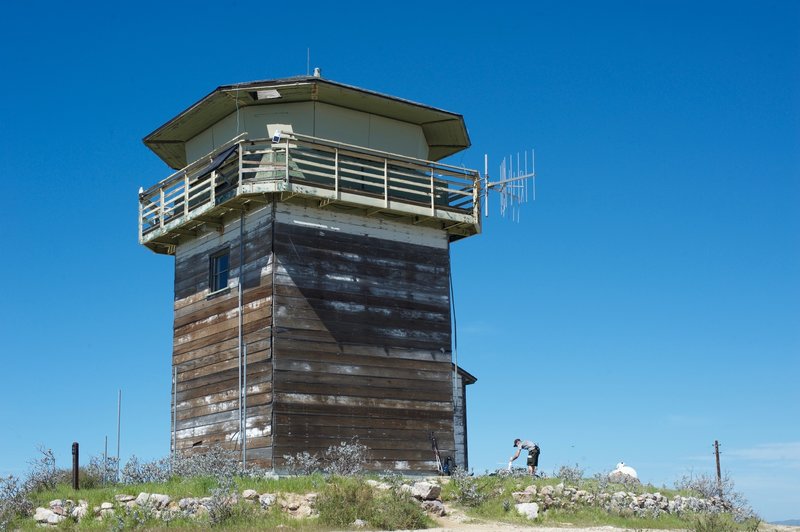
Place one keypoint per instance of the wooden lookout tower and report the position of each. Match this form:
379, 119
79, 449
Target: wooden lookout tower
310, 225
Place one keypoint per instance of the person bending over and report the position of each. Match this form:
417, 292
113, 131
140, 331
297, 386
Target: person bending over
533, 454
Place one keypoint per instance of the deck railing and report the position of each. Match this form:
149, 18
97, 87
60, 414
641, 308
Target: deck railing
301, 165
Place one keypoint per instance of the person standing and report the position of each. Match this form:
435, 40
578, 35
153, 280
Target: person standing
533, 454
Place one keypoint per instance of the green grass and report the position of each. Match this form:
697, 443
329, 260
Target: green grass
343, 499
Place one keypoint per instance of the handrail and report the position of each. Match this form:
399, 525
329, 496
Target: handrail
331, 170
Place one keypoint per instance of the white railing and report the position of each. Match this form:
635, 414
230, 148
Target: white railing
308, 166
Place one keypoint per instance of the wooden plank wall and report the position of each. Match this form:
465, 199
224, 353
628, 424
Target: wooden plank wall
361, 339
206, 340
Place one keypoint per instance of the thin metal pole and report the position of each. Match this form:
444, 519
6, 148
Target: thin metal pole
119, 418
174, 411
719, 473
242, 355
486, 184
244, 401
105, 461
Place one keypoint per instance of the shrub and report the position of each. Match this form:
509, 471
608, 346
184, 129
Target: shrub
397, 511
708, 487
135, 472
14, 501
342, 501
44, 475
100, 471
346, 459
302, 463
466, 489
222, 501
215, 462
570, 474
601, 482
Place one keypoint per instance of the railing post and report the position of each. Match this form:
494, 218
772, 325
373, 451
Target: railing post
386, 183
161, 207
336, 173
186, 194
287, 160
212, 191
476, 194
239, 186
433, 195
141, 219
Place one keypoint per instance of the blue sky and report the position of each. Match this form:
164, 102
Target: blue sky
645, 305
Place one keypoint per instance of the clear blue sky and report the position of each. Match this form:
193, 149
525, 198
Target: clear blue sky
645, 305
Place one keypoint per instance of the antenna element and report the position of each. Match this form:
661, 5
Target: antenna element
512, 185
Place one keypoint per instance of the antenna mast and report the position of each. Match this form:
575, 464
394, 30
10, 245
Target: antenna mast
512, 185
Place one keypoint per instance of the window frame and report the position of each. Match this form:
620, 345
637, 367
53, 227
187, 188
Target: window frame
215, 273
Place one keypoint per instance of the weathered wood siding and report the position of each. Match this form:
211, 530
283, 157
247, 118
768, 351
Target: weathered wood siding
347, 330
206, 340
460, 418
361, 338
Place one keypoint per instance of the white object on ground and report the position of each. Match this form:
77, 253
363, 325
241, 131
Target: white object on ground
623, 469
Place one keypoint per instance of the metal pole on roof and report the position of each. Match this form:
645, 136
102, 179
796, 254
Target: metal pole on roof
119, 417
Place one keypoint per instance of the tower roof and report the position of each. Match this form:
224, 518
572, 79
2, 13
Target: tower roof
445, 132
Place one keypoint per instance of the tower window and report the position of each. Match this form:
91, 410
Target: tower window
219, 267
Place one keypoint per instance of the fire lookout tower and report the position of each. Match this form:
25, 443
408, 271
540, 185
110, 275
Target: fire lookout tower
310, 225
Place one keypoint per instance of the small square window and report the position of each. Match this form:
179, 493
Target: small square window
219, 267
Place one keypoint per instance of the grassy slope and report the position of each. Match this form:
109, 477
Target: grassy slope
497, 504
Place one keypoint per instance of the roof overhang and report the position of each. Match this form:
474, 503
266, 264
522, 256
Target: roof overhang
444, 131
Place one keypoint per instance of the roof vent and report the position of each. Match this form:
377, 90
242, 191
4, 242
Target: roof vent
317, 72
268, 94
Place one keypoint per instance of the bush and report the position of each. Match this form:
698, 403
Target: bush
570, 474
342, 501
397, 511
44, 475
146, 472
600, 482
215, 462
466, 489
346, 459
100, 471
221, 505
14, 501
708, 487
302, 463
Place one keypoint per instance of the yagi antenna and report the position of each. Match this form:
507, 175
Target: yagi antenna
512, 185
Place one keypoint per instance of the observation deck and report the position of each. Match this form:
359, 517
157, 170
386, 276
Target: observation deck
314, 172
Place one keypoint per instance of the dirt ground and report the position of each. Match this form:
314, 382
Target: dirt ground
459, 522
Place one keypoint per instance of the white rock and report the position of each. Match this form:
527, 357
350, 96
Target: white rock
79, 512
382, 486
142, 499
42, 514
250, 495
124, 498
426, 491
267, 499
56, 502
106, 506
358, 523
187, 502
528, 509
159, 501
54, 519
434, 507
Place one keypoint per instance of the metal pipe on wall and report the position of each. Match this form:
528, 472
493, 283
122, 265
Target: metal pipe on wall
242, 350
